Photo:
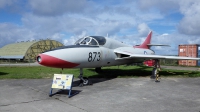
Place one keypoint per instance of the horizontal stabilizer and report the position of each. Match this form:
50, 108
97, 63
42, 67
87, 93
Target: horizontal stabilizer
150, 45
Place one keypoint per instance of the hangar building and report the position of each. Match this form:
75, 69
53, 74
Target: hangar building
27, 51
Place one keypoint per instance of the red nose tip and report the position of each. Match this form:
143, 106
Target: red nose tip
51, 61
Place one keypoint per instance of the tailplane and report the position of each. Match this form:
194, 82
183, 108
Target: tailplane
147, 43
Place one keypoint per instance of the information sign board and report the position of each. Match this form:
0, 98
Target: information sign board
63, 82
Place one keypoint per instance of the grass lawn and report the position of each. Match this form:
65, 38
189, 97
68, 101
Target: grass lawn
37, 72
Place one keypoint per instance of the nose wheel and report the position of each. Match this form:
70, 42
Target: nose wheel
83, 80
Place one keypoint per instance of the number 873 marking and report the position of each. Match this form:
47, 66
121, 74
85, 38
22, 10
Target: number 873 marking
94, 56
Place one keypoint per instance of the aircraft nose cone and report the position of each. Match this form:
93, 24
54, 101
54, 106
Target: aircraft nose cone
51, 61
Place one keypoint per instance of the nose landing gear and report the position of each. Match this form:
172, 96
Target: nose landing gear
83, 80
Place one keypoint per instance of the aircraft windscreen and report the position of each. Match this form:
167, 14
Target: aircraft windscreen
92, 40
101, 40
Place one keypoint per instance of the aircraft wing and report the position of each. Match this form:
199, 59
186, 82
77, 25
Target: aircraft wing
143, 56
126, 55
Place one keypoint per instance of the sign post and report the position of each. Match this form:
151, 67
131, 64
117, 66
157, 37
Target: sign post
63, 82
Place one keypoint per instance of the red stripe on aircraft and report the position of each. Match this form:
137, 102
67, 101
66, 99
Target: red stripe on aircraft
51, 61
147, 41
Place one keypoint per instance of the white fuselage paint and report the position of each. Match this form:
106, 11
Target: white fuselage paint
91, 57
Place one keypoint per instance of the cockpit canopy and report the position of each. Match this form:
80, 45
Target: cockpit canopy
91, 40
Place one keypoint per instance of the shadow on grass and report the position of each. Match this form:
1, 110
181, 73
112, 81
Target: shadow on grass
142, 71
138, 71
3, 73
112, 73
175, 73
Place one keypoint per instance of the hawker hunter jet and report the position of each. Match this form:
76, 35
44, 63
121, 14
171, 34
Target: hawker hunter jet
98, 51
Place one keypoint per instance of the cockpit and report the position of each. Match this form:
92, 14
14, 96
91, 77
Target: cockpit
91, 40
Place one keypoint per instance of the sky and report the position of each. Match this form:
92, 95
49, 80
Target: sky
173, 22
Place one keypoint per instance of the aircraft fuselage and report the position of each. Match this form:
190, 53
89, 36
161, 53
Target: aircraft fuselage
85, 56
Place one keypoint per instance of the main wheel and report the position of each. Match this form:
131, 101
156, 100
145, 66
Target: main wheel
86, 81
154, 72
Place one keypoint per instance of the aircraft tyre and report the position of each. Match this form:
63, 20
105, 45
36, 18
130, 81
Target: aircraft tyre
154, 72
84, 81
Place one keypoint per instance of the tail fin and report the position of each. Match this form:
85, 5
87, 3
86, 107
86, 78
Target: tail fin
145, 44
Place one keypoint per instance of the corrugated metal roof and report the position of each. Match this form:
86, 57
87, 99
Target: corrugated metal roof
188, 44
27, 50
12, 57
15, 50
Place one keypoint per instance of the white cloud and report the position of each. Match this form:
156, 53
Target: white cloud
67, 20
10, 33
73, 39
188, 8
165, 34
56, 36
110, 27
4, 3
58, 7
164, 6
173, 40
143, 29
191, 11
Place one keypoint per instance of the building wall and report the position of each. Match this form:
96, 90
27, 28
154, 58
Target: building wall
190, 50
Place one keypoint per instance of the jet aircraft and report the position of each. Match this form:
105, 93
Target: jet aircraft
98, 51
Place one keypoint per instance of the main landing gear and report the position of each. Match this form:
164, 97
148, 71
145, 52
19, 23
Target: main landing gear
155, 71
83, 80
